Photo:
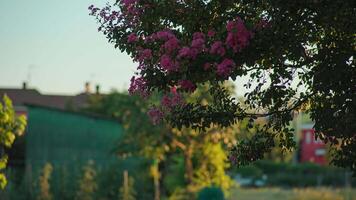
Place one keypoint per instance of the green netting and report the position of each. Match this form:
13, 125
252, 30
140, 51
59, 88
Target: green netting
68, 139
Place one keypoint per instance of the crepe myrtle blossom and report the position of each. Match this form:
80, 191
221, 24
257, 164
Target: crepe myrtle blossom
211, 33
168, 64
164, 35
184, 52
156, 115
145, 54
187, 85
198, 35
172, 100
217, 48
171, 45
138, 86
198, 43
189, 53
132, 38
238, 35
225, 68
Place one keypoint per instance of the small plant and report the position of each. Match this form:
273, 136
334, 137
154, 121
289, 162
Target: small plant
127, 191
87, 184
211, 193
44, 184
11, 126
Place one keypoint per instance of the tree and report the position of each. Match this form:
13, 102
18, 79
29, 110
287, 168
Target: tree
44, 184
87, 184
161, 143
211, 171
145, 140
293, 54
10, 126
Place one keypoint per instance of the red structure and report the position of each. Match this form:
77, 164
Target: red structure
312, 150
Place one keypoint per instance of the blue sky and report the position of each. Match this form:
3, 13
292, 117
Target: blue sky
56, 47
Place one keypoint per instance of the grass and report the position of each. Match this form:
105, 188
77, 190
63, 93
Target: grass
293, 194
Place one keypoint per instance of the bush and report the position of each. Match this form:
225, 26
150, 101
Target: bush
250, 171
211, 193
295, 175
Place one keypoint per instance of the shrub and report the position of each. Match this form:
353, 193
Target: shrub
211, 193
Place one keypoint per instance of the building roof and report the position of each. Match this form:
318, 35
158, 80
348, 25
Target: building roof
21, 97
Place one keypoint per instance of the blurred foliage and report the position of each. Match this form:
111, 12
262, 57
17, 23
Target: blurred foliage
269, 193
11, 125
44, 183
211, 171
87, 184
111, 178
295, 175
174, 153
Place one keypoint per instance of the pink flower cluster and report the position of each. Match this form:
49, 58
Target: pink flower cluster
217, 48
172, 100
238, 35
144, 55
168, 102
156, 115
171, 45
166, 51
187, 85
132, 38
138, 86
225, 67
168, 64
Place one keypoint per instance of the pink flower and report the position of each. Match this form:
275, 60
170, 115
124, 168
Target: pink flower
156, 115
164, 35
198, 35
231, 25
193, 53
171, 45
176, 99
217, 48
184, 52
198, 43
187, 85
225, 67
167, 64
145, 54
238, 36
132, 38
172, 100
138, 86
211, 33
173, 90
166, 101
187, 52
